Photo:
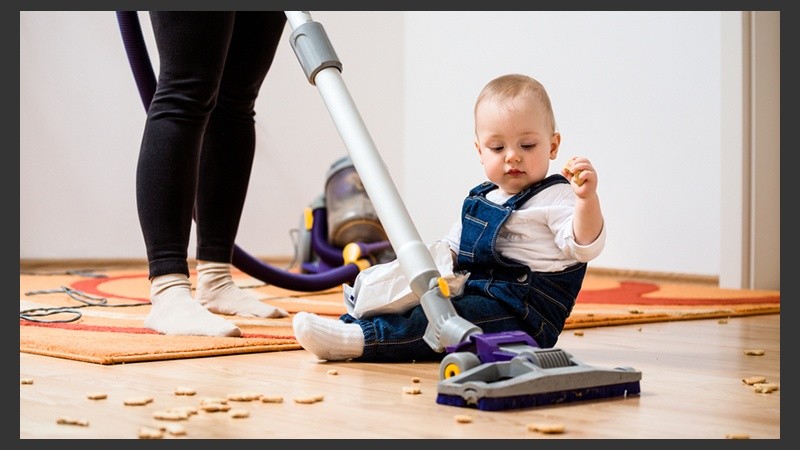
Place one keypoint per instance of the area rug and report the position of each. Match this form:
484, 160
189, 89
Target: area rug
97, 316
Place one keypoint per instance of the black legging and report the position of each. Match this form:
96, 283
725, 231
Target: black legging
199, 138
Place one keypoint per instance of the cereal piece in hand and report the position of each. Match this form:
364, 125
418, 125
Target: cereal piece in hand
573, 176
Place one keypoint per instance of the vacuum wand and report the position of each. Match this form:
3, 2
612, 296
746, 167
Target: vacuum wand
323, 69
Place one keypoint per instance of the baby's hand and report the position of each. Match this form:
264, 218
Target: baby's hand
579, 170
570, 173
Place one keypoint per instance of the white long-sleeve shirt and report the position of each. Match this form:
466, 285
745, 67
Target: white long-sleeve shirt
540, 232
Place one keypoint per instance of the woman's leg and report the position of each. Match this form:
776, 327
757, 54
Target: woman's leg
192, 48
226, 162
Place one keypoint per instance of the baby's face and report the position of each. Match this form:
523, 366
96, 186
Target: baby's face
515, 142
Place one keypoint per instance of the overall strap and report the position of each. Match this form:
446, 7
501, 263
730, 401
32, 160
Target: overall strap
523, 196
482, 189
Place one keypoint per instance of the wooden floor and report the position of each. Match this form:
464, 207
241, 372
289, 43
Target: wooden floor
692, 387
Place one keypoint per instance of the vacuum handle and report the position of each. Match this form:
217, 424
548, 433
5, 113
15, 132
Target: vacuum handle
316, 56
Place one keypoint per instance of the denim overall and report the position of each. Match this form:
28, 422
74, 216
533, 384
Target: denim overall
500, 294
542, 301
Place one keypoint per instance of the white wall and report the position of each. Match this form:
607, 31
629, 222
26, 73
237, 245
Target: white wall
637, 92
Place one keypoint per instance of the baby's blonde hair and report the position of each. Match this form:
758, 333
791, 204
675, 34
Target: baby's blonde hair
506, 87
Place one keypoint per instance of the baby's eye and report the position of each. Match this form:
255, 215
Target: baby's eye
496, 149
528, 146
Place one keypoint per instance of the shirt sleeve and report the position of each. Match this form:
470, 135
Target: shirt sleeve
583, 253
453, 237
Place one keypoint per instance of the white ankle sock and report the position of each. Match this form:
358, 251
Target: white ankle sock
217, 292
175, 312
328, 339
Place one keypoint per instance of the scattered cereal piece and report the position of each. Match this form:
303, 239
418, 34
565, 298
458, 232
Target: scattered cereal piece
722, 321
765, 388
150, 433
175, 429
137, 401
26, 381
753, 380
243, 396
215, 407
170, 414
578, 333
272, 399
309, 399
72, 421
333, 372
754, 352
220, 400
97, 396
183, 390
463, 418
737, 436
239, 413
411, 390
554, 428
415, 379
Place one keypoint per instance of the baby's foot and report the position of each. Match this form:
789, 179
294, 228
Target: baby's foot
328, 339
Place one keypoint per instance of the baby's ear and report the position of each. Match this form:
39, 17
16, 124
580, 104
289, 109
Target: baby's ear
555, 143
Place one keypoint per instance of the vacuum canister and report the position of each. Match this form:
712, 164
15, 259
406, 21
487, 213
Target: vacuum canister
351, 216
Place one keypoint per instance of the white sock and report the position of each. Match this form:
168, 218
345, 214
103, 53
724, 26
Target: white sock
175, 312
217, 292
328, 339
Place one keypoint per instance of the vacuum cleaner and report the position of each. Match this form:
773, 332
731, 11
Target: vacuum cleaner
495, 371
